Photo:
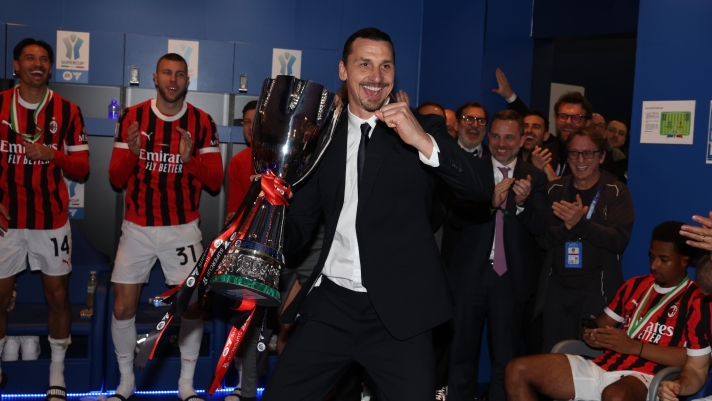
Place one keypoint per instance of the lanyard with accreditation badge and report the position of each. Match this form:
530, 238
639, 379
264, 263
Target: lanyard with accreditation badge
574, 250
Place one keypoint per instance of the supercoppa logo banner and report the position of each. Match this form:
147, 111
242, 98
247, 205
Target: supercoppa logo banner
286, 62
72, 56
190, 50
76, 199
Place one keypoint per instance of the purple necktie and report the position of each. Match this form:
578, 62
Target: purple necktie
499, 264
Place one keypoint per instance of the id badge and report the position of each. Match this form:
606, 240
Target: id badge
573, 255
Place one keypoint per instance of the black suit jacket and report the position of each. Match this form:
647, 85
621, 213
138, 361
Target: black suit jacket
519, 106
485, 151
471, 257
400, 265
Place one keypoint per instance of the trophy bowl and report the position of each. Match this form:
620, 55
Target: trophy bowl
294, 123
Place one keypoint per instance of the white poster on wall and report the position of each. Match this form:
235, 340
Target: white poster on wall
286, 62
190, 50
76, 199
72, 62
670, 122
556, 91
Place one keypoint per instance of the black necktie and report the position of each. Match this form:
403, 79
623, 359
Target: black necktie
365, 129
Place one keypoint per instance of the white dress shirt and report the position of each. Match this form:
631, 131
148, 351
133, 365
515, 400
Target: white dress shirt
343, 264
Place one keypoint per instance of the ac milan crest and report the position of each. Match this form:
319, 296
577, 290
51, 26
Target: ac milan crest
53, 126
672, 311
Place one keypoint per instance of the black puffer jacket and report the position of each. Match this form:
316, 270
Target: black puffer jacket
609, 229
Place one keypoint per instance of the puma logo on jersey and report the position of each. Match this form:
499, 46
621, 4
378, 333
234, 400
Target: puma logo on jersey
65, 261
147, 135
6, 123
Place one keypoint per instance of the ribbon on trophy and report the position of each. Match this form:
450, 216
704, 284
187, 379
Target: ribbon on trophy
276, 191
246, 312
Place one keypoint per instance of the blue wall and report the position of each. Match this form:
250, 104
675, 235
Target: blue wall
555, 18
453, 51
317, 27
3, 38
605, 66
508, 46
465, 41
669, 182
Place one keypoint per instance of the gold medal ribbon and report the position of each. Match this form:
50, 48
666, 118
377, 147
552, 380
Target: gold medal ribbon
637, 323
14, 122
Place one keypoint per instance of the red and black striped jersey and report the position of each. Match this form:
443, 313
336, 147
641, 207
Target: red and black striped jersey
162, 190
33, 191
239, 171
699, 328
666, 326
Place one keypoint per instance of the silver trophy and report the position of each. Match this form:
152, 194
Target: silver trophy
294, 123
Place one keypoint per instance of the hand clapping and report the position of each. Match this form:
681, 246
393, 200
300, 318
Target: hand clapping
570, 213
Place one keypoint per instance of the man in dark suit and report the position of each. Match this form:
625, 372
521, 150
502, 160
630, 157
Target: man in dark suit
379, 286
471, 128
493, 271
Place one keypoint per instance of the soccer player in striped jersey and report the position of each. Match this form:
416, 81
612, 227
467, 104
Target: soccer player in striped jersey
42, 136
165, 151
699, 340
652, 312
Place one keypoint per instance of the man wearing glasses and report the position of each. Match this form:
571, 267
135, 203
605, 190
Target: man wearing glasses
471, 128
599, 123
593, 219
573, 111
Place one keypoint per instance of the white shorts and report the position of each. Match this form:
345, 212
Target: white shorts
590, 379
47, 250
177, 247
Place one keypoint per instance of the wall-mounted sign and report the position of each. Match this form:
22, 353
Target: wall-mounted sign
190, 50
286, 62
76, 199
72, 56
668, 122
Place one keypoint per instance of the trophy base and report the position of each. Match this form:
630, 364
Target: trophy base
237, 287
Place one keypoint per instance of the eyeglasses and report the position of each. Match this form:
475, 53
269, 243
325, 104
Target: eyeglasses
587, 154
600, 126
575, 118
469, 120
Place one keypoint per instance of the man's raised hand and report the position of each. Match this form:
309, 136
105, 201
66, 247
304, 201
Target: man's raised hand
399, 117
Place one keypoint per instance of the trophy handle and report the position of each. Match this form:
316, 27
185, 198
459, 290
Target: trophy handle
325, 137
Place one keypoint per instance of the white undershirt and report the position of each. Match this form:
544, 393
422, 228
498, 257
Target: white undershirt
26, 104
343, 264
